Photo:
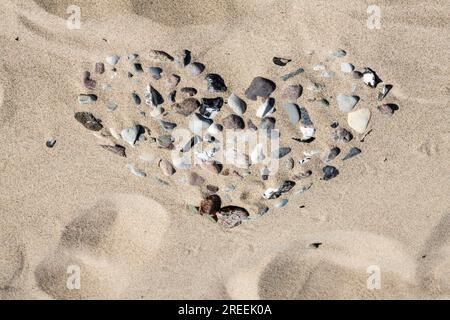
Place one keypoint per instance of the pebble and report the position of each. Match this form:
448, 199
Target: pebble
358, 120
319, 67
274, 193
332, 154
267, 108
136, 98
198, 123
137, 67
323, 103
152, 97
260, 87
195, 179
130, 135
251, 125
293, 112
135, 171
210, 107
184, 58
215, 129
305, 119
166, 141
347, 67
304, 189
113, 60
156, 112
100, 68
88, 120
212, 166
85, 99
370, 78
210, 205
346, 103
166, 125
352, 153
257, 155
386, 109
166, 168
171, 97
50, 143
212, 188
292, 74
160, 55
89, 83
172, 81
268, 124
281, 203
290, 164
280, 152
334, 124
116, 149
132, 57
280, 61
155, 73
342, 135
384, 91
292, 92
187, 106
232, 216
237, 105
195, 68
215, 83
329, 172
339, 53
188, 91
233, 122
112, 106
192, 142
302, 175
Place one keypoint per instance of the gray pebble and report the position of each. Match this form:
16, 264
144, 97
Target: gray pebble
352, 153
260, 87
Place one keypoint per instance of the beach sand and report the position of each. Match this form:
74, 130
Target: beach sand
77, 205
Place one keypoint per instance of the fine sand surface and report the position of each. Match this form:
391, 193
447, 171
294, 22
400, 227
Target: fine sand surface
132, 238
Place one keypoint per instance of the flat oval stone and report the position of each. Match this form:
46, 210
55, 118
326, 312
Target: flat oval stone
152, 97
85, 99
260, 87
358, 120
215, 83
116, 149
233, 122
347, 67
215, 129
187, 106
212, 166
280, 61
88, 120
267, 124
135, 171
281, 203
167, 125
293, 112
236, 104
257, 155
346, 103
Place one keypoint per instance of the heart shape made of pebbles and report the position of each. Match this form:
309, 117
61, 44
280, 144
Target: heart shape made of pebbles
191, 106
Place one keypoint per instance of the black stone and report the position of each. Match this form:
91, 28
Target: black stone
211, 106
260, 87
329, 172
280, 61
215, 83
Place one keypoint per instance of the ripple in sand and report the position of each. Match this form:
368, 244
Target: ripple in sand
107, 242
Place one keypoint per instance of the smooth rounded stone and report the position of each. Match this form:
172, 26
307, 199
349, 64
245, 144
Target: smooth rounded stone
293, 112
280, 152
100, 68
195, 179
358, 120
280, 61
88, 120
172, 81
236, 104
116, 149
171, 97
152, 97
266, 109
195, 68
370, 78
281, 203
135, 171
329, 172
215, 83
166, 168
386, 109
112, 60
210, 107
215, 129
85, 99
233, 122
198, 123
188, 91
155, 72
260, 87
292, 92
346, 103
210, 205
342, 135
160, 56
212, 189
232, 216
323, 103
136, 99
347, 67
331, 154
352, 153
50, 143
166, 125
130, 135
187, 106
212, 166
257, 155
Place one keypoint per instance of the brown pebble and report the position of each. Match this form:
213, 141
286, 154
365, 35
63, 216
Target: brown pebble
212, 189
188, 91
116, 149
233, 122
100, 68
231, 216
167, 168
211, 205
195, 179
292, 92
187, 106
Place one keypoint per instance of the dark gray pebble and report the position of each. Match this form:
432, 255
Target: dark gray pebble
88, 120
352, 153
329, 172
260, 87
215, 83
280, 61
